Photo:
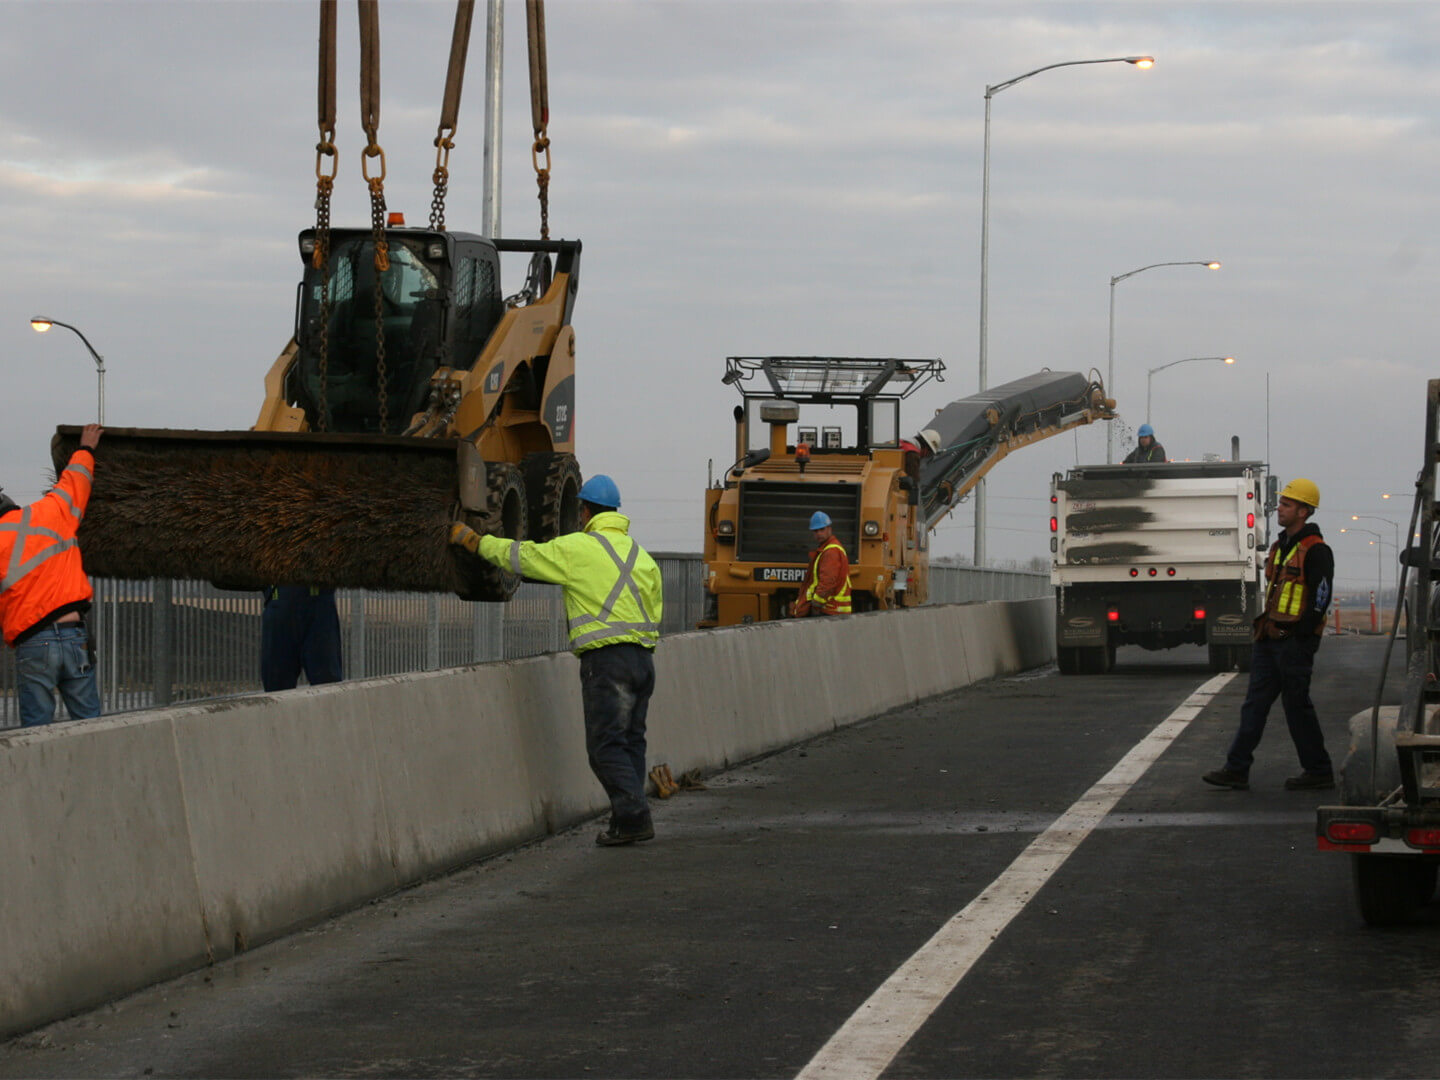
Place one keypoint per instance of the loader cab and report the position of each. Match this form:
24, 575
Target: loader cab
438, 303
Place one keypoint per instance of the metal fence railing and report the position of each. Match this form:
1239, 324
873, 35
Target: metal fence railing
165, 642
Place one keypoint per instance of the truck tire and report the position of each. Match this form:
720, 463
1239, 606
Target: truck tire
552, 492
505, 516
1388, 888
1222, 658
1098, 659
1242, 657
1067, 659
1357, 788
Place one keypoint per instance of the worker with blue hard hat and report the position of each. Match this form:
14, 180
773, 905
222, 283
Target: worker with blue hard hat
613, 601
826, 588
1146, 450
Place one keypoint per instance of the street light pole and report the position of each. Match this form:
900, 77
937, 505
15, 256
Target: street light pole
1379, 543
1210, 264
1189, 359
990, 92
41, 324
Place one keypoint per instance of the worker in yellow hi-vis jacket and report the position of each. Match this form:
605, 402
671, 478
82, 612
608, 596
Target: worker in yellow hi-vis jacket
613, 601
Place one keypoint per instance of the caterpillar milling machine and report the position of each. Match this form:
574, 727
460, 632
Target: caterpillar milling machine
883, 494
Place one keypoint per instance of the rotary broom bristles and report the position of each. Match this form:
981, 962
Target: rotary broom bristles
250, 509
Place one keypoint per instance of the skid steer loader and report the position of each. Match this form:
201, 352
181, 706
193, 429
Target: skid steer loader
485, 392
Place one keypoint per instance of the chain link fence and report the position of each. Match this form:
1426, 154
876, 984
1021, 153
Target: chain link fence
164, 642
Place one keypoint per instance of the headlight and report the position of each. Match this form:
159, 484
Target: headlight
435, 250
307, 246
725, 528
872, 528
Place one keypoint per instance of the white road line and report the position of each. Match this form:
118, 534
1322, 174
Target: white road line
867, 1042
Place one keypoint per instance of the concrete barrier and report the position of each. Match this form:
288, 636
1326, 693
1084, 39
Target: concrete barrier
139, 846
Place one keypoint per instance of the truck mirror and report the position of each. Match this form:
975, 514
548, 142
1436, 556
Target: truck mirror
1272, 493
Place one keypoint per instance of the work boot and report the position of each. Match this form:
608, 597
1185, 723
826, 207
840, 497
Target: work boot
1229, 778
1311, 781
619, 834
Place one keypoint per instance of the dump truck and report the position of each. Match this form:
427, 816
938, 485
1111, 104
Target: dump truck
1158, 555
413, 392
1388, 820
824, 433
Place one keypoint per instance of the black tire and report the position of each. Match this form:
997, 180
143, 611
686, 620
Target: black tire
1388, 888
1096, 659
552, 490
505, 516
1067, 659
1222, 658
1242, 657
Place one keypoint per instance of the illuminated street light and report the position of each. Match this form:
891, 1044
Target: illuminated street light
1209, 264
1189, 359
40, 324
1143, 62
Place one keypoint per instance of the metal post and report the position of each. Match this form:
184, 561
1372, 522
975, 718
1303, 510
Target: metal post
1110, 380
494, 55
432, 632
357, 635
162, 642
979, 494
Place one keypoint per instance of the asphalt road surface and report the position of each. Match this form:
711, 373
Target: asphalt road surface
1047, 924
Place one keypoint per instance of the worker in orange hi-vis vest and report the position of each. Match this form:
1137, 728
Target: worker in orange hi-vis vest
826, 588
44, 593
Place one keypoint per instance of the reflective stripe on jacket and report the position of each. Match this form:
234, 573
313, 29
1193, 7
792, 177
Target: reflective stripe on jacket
613, 593
836, 602
1288, 594
40, 567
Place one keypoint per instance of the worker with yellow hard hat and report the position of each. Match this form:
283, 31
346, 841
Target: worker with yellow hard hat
1299, 575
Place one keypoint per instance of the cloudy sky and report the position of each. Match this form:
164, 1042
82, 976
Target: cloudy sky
776, 177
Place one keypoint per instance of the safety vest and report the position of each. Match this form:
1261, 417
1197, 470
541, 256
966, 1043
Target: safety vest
613, 591
1288, 595
40, 568
839, 604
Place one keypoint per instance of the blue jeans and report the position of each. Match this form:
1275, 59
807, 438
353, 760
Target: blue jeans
56, 658
1281, 669
299, 630
616, 682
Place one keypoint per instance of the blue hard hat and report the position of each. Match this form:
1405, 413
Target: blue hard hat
819, 520
1145, 429
601, 491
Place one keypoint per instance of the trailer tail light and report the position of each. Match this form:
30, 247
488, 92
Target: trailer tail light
1054, 525
1423, 838
1199, 614
1113, 614
1250, 520
1170, 572
1134, 572
1249, 495
1153, 571
1351, 832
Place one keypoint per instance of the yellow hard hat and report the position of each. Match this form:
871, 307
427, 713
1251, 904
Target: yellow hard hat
1302, 491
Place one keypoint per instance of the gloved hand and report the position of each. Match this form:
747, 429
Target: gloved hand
465, 537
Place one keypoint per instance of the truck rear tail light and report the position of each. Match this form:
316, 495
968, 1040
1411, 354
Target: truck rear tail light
1170, 572
1113, 614
1153, 571
1054, 499
1054, 525
1249, 495
1134, 572
1199, 614
1423, 838
1250, 520
1351, 832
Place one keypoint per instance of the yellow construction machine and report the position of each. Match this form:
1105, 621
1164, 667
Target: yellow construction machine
823, 433
412, 393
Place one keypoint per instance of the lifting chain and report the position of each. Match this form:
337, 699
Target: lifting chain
324, 186
450, 110
539, 108
370, 121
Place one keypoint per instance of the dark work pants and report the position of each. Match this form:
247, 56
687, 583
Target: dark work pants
616, 682
1281, 669
298, 632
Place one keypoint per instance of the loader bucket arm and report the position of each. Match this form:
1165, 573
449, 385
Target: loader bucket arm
977, 432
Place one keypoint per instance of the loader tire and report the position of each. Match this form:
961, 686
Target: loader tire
1067, 659
552, 490
506, 516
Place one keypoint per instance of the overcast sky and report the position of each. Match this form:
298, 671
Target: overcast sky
772, 177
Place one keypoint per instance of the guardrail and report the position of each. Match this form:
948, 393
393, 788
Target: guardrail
166, 642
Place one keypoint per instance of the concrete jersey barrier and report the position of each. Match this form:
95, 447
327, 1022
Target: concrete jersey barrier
140, 846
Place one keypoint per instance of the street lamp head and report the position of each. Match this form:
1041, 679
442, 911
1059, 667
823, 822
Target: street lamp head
1141, 61
1212, 266
1354, 517
40, 325
1229, 359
